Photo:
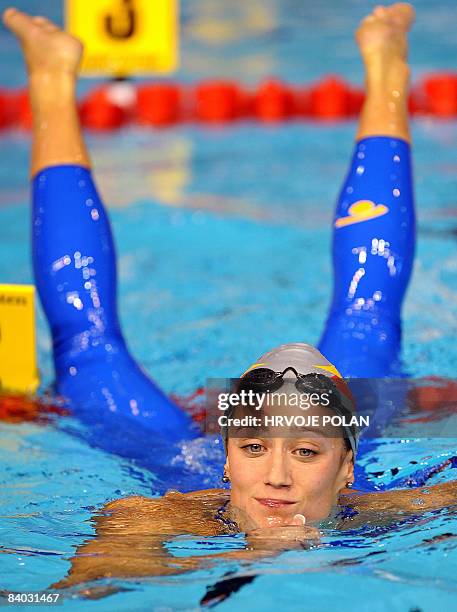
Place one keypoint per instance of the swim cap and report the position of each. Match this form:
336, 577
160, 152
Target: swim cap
306, 359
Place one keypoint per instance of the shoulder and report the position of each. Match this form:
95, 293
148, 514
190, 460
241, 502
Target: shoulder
171, 514
206, 494
142, 503
132, 502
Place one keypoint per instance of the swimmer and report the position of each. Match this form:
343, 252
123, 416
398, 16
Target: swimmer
281, 487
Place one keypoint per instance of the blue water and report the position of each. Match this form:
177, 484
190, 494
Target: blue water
223, 241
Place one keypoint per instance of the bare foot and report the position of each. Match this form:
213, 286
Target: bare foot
47, 49
382, 38
384, 32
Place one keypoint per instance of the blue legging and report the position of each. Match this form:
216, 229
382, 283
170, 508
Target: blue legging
373, 252
75, 271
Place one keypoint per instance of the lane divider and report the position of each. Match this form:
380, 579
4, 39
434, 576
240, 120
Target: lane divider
161, 104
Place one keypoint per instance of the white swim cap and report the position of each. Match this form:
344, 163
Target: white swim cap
305, 358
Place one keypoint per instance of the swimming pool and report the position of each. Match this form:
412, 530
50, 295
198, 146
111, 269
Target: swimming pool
207, 223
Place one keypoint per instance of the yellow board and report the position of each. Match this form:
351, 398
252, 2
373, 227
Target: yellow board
125, 37
18, 363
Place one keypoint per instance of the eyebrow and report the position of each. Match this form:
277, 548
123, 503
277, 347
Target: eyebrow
256, 432
314, 430
249, 430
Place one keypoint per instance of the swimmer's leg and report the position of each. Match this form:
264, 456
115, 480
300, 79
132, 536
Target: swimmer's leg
73, 250
374, 226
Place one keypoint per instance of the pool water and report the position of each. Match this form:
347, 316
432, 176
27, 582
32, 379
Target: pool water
223, 247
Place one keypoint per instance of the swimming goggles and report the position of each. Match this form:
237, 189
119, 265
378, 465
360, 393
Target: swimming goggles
341, 401
267, 380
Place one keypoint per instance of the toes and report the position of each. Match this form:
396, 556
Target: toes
402, 14
384, 14
380, 11
20, 23
8, 14
405, 8
45, 23
368, 19
17, 21
40, 20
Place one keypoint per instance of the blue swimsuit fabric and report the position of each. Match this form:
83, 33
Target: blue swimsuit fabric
373, 253
75, 270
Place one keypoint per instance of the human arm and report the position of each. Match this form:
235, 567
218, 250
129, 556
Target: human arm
404, 501
131, 536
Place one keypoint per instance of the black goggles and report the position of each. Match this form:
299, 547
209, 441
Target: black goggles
268, 381
340, 397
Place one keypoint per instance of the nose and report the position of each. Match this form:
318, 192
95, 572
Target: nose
278, 473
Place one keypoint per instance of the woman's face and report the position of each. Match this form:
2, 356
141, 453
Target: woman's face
275, 478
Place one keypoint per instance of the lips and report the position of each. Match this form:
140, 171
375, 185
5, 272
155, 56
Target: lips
274, 503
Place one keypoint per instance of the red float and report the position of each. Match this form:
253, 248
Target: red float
194, 404
416, 101
20, 409
5, 108
158, 104
441, 94
99, 112
302, 101
331, 99
273, 101
356, 100
219, 101
433, 395
22, 112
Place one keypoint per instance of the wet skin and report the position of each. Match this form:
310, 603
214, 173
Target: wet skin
131, 532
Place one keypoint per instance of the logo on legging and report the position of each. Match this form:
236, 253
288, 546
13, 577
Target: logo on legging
362, 210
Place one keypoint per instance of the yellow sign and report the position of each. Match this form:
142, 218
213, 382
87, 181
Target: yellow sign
124, 37
18, 363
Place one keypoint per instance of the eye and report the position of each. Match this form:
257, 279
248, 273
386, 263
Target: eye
305, 452
253, 449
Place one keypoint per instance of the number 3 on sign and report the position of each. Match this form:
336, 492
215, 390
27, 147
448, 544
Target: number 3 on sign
126, 17
125, 37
